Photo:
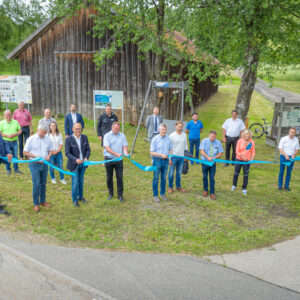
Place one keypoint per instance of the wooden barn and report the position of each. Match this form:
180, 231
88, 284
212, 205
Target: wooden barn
59, 58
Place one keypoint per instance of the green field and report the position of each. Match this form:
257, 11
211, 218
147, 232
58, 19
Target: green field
186, 223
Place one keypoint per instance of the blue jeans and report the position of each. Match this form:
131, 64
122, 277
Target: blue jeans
13, 147
177, 163
162, 169
77, 183
194, 143
288, 172
39, 174
211, 171
56, 160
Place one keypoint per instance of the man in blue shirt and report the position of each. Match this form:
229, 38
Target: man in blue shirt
115, 145
160, 148
210, 149
193, 129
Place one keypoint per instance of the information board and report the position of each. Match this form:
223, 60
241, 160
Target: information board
101, 98
115, 98
291, 118
15, 88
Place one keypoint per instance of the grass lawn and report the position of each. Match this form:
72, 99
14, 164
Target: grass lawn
186, 223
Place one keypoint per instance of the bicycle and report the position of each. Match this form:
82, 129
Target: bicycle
258, 129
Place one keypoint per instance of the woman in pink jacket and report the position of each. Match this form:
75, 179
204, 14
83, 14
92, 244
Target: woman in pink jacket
245, 151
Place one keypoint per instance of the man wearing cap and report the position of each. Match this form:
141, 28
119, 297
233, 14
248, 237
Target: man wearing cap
39, 145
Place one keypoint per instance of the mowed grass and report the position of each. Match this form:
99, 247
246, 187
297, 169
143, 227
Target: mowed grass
186, 223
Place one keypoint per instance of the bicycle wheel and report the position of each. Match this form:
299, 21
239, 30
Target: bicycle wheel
257, 130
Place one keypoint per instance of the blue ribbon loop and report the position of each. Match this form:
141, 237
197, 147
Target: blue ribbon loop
201, 161
38, 159
141, 167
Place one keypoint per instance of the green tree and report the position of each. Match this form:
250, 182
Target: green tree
252, 34
150, 24
19, 18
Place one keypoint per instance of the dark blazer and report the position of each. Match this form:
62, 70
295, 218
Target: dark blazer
4, 150
73, 153
69, 123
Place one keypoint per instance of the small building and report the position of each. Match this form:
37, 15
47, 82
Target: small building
59, 58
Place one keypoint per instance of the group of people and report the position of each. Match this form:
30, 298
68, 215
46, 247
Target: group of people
238, 141
167, 152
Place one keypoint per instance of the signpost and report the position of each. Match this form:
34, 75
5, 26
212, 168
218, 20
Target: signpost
102, 98
14, 89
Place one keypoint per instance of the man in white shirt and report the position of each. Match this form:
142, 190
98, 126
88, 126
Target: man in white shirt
39, 145
232, 128
288, 148
179, 142
47, 119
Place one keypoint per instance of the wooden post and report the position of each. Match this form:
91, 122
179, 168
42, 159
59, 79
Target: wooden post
279, 127
247, 122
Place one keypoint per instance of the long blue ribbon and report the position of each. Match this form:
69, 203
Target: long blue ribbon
143, 168
38, 159
210, 163
201, 161
92, 163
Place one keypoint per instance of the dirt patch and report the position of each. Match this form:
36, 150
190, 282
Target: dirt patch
281, 211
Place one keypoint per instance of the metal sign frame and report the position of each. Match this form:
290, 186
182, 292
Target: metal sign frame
94, 107
160, 84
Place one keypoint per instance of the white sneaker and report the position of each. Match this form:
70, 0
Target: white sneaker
245, 192
233, 188
63, 181
53, 181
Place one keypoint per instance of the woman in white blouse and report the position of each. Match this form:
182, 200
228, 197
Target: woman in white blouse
57, 157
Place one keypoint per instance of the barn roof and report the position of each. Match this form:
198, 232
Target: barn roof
179, 39
33, 37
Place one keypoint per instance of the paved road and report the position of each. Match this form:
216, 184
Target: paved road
273, 94
94, 274
279, 264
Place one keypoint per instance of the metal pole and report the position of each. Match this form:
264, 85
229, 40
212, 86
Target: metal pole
279, 127
123, 115
182, 101
28, 107
140, 121
94, 111
6, 106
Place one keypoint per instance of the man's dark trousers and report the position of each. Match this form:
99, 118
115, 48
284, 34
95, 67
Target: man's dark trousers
23, 138
231, 142
118, 166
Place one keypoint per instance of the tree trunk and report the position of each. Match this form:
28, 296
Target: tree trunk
247, 83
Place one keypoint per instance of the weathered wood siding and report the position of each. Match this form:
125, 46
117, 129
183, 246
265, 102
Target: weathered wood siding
60, 63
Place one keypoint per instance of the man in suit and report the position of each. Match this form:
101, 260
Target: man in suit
77, 151
72, 118
152, 123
